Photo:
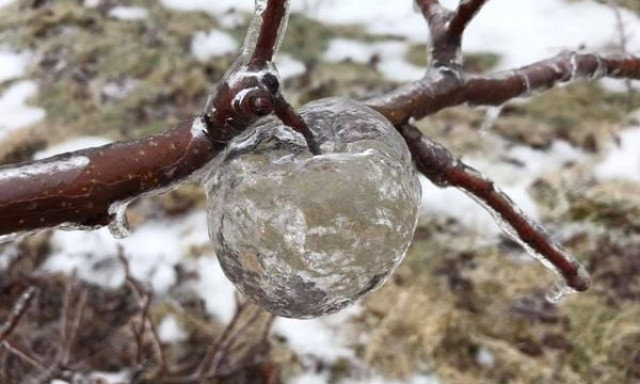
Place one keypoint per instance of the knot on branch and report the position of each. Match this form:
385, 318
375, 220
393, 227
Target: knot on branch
244, 96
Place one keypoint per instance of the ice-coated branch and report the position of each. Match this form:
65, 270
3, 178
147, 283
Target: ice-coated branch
442, 89
81, 188
444, 170
270, 24
446, 29
467, 10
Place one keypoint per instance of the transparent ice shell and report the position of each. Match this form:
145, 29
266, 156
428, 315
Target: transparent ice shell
306, 236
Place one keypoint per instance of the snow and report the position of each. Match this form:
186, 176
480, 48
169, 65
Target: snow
289, 67
91, 3
153, 251
14, 113
623, 160
322, 338
129, 13
73, 144
512, 179
216, 290
4, 3
214, 43
12, 64
170, 331
391, 53
324, 378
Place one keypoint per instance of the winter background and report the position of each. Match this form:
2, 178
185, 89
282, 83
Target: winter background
378, 38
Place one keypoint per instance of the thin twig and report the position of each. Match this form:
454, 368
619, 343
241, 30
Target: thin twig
467, 10
18, 311
444, 170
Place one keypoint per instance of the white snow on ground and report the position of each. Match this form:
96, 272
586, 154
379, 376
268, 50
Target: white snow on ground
4, 3
153, 249
129, 13
323, 378
520, 31
73, 144
214, 43
170, 330
216, 290
391, 53
512, 179
289, 67
324, 338
623, 160
14, 112
12, 64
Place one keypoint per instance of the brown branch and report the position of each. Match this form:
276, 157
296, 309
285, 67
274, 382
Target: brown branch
446, 29
467, 10
79, 188
274, 19
444, 170
291, 118
442, 89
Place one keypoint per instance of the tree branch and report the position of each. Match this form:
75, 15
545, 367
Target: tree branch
467, 10
78, 188
444, 170
441, 89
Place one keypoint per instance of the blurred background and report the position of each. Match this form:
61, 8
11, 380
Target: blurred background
466, 306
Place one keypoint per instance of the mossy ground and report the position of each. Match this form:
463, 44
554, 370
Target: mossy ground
451, 301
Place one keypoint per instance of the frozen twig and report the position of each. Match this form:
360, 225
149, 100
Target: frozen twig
467, 10
444, 170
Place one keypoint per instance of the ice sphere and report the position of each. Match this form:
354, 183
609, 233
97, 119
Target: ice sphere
302, 235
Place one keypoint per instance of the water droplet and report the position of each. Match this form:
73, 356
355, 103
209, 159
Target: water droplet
119, 225
558, 292
490, 118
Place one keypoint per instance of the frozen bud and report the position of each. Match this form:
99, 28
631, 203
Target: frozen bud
306, 236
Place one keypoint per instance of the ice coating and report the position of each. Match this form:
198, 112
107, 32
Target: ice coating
253, 31
306, 236
119, 225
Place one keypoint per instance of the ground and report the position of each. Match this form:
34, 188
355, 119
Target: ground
467, 305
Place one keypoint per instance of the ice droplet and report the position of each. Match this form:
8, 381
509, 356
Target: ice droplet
491, 116
304, 236
119, 225
558, 292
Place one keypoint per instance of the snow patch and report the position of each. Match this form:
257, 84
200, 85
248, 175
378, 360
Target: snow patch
212, 44
216, 290
289, 67
513, 180
4, 3
322, 338
153, 251
623, 160
170, 330
129, 13
14, 113
13, 64
391, 54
